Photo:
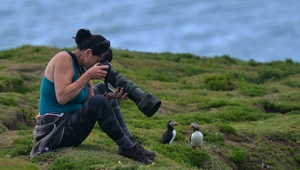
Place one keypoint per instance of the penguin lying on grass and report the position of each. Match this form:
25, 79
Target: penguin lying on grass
196, 137
170, 134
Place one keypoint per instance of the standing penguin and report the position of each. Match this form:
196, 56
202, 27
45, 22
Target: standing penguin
170, 134
196, 137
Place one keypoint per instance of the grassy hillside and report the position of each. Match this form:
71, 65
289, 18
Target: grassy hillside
248, 112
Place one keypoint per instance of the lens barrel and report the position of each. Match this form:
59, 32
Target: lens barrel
146, 102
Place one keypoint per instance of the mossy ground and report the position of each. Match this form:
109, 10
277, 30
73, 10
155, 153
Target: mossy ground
248, 112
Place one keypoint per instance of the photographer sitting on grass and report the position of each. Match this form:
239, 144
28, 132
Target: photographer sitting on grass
70, 107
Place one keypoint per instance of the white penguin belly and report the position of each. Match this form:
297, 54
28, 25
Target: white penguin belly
173, 137
197, 139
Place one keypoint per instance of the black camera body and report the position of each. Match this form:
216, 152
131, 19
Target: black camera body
146, 102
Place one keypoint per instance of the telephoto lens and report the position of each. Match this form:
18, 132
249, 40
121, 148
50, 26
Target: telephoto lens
146, 102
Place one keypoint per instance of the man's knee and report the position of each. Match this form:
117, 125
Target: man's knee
98, 103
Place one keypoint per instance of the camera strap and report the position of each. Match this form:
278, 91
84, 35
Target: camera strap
76, 62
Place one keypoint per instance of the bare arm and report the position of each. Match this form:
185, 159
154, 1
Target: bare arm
62, 77
62, 74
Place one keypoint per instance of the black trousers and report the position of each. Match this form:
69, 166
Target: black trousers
96, 109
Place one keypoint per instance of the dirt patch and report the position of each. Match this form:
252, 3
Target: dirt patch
27, 68
162, 111
32, 69
281, 141
7, 138
238, 138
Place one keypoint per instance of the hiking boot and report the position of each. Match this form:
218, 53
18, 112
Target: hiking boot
135, 154
149, 154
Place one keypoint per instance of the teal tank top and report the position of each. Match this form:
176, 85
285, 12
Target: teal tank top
48, 100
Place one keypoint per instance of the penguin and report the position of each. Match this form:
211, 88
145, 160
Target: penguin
196, 138
170, 134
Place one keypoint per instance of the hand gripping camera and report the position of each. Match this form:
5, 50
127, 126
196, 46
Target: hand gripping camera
147, 103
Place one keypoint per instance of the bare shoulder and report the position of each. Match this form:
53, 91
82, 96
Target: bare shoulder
61, 62
62, 56
62, 59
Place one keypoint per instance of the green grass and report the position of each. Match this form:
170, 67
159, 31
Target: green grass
248, 112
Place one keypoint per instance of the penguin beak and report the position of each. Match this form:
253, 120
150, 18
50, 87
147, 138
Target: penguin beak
176, 123
191, 126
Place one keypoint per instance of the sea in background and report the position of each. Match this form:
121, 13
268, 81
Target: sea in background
260, 30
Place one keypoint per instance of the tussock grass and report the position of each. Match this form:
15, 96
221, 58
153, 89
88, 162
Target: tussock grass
17, 164
248, 112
